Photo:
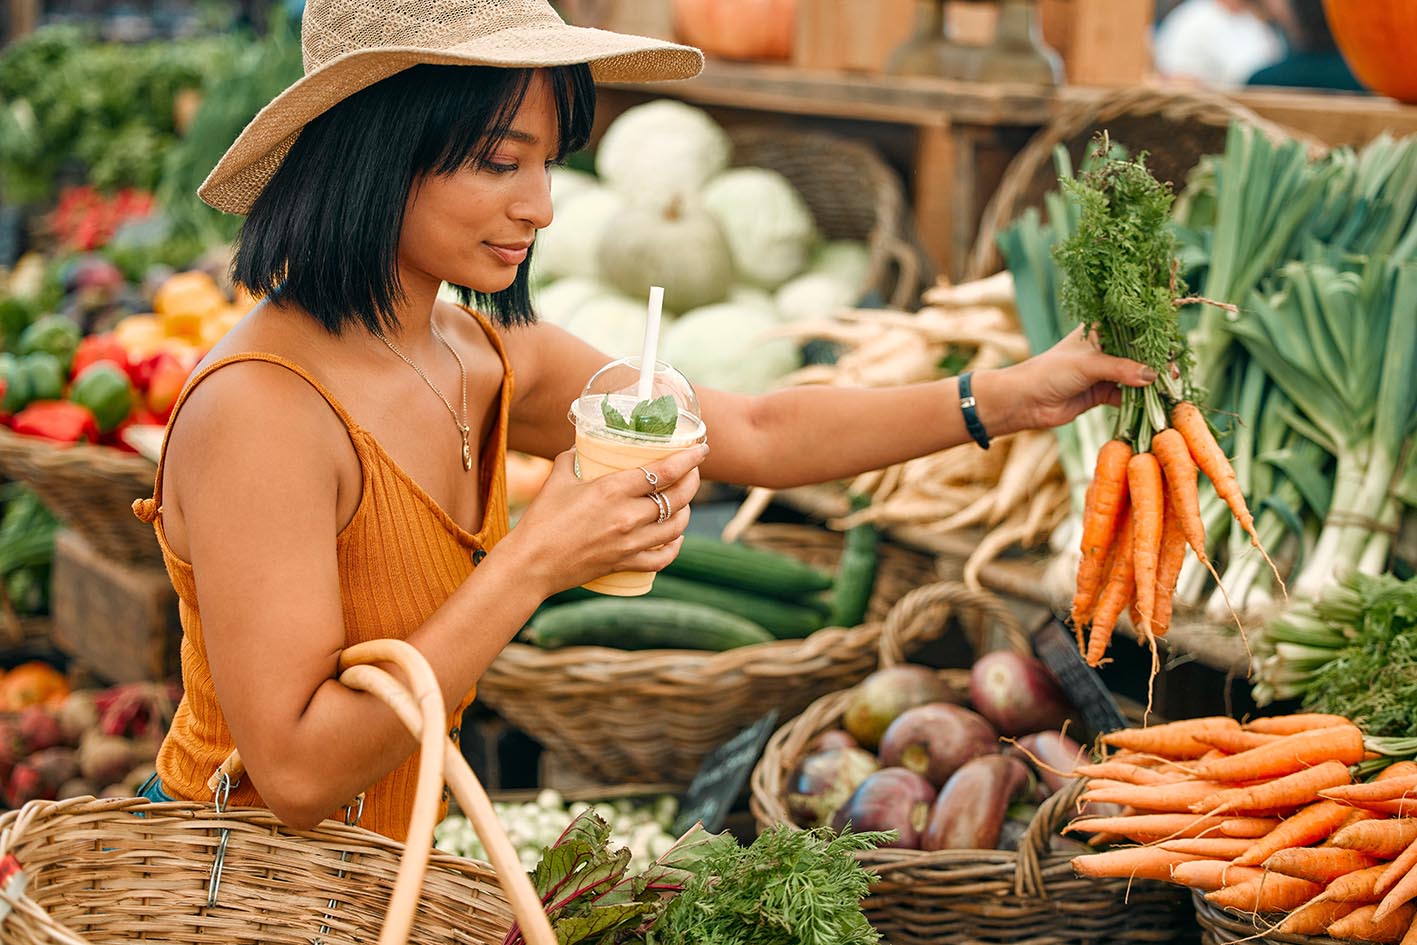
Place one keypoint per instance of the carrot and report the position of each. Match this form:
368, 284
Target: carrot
1291, 753
1103, 507
1146, 827
1250, 828
1403, 807
1314, 918
1357, 886
1174, 798
1390, 789
1170, 557
1216, 848
1398, 769
1115, 594
1363, 924
1171, 451
1320, 865
1384, 839
1294, 724
1397, 872
1148, 512
1212, 874
1282, 794
1410, 937
1174, 740
1186, 417
1271, 893
1130, 863
1232, 741
1309, 825
1126, 772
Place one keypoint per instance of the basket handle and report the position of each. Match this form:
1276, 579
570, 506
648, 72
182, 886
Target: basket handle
1037, 843
924, 615
419, 706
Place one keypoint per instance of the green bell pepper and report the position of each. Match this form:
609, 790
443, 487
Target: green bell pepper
46, 375
104, 389
16, 388
53, 334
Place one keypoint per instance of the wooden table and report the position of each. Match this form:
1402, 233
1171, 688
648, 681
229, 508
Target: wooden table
952, 141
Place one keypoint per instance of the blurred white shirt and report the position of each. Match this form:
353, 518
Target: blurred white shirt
1206, 41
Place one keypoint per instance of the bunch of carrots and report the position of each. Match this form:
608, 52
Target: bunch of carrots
1119, 278
1266, 819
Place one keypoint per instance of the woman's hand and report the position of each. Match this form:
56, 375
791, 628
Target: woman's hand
575, 531
1052, 388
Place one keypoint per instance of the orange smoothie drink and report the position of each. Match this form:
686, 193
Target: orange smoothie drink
615, 430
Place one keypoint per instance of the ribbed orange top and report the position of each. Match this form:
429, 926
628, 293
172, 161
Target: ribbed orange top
400, 557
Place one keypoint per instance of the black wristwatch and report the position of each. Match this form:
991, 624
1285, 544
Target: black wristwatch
971, 416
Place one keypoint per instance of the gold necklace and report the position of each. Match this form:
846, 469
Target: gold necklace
461, 423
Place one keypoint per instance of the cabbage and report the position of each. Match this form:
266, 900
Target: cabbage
741, 294
661, 150
567, 182
769, 228
680, 247
567, 247
613, 324
814, 295
726, 346
848, 260
556, 302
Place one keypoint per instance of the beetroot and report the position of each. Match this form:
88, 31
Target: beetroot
1054, 756
832, 738
884, 695
40, 729
105, 758
969, 812
1016, 693
823, 782
934, 740
890, 799
78, 713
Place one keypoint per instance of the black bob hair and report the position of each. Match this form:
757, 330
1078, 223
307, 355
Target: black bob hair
324, 232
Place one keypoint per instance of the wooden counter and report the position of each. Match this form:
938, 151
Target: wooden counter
952, 141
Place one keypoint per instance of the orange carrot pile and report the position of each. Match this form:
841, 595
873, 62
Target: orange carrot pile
1266, 820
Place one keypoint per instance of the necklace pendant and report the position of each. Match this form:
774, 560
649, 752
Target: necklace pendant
466, 456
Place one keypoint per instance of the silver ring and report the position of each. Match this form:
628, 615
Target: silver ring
661, 503
668, 509
650, 477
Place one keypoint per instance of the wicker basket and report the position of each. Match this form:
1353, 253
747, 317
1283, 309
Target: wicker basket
852, 193
622, 716
90, 489
195, 874
1223, 927
1176, 127
976, 896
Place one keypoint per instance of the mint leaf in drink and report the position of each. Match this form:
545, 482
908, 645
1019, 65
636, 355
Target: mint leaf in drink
656, 417
614, 419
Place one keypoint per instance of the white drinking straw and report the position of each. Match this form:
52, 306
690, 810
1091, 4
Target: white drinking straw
650, 351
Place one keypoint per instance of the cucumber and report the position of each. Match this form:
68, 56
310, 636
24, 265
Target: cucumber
856, 576
642, 624
783, 620
750, 569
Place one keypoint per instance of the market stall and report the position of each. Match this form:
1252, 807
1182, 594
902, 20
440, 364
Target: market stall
1145, 676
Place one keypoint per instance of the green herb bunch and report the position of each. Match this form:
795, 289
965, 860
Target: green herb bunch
1118, 276
657, 417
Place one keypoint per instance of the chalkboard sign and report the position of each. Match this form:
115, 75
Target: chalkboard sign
1056, 646
721, 777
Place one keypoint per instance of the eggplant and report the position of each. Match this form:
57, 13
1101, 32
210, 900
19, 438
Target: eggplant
824, 781
968, 813
934, 740
891, 799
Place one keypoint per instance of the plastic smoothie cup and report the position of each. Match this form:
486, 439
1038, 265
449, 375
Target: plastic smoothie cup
602, 448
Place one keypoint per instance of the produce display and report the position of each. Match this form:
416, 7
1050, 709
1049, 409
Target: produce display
716, 595
735, 248
641, 824
1272, 819
912, 758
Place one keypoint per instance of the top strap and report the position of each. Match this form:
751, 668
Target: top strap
147, 509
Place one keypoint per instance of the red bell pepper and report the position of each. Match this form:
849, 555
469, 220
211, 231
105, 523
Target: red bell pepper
61, 420
95, 348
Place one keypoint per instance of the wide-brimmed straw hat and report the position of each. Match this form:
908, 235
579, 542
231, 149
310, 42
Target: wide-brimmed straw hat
348, 45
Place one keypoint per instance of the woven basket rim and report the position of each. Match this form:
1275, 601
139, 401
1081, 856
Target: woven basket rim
1231, 926
106, 460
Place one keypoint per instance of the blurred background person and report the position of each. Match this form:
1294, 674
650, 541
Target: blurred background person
1311, 59
1218, 43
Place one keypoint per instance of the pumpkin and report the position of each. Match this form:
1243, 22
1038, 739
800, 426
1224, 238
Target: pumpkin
1373, 37
680, 247
32, 683
738, 29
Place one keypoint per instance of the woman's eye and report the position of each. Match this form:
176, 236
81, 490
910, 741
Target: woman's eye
497, 167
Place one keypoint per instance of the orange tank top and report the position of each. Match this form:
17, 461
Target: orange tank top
400, 557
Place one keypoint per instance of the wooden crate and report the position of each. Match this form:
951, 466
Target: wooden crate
1102, 42
849, 35
640, 17
117, 620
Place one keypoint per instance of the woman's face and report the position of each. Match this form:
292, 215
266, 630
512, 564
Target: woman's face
475, 226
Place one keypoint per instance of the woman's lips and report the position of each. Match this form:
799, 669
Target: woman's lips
512, 255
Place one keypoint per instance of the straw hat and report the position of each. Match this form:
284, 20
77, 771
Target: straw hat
349, 45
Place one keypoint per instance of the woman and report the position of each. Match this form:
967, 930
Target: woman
314, 492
